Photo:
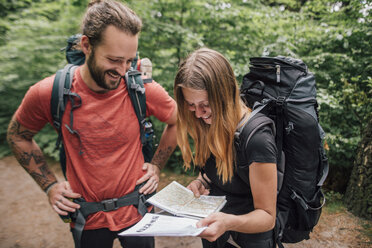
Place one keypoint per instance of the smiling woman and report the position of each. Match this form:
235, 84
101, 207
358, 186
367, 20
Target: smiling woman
197, 101
210, 110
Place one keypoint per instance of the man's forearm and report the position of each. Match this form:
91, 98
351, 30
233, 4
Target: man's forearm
167, 144
29, 155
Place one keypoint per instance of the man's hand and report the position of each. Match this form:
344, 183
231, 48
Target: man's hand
59, 195
152, 178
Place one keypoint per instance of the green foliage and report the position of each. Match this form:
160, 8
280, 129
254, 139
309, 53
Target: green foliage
338, 51
46, 139
30, 51
332, 37
334, 202
7, 7
367, 229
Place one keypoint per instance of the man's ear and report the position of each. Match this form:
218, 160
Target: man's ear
85, 45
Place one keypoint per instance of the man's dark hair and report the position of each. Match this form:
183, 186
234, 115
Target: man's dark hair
101, 14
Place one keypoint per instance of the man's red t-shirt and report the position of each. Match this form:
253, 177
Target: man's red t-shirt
104, 160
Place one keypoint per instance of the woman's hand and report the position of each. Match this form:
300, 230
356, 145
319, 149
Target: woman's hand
197, 186
217, 224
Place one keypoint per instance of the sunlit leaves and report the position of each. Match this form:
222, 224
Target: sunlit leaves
333, 37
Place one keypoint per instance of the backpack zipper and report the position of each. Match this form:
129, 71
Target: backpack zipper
264, 62
277, 73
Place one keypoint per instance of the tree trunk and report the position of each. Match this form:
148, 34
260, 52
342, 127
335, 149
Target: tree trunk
358, 196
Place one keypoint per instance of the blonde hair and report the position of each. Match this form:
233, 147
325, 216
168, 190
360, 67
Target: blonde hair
206, 69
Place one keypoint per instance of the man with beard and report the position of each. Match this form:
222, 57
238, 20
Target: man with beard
104, 159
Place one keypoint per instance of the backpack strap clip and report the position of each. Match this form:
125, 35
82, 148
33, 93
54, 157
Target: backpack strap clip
289, 128
133, 85
141, 207
280, 100
56, 124
137, 88
110, 204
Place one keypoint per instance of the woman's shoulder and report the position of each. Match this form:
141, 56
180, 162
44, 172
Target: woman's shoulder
260, 145
257, 128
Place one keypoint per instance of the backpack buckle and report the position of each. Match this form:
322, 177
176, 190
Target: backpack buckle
137, 88
289, 128
57, 124
110, 204
280, 100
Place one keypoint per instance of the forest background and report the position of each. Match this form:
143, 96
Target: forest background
332, 37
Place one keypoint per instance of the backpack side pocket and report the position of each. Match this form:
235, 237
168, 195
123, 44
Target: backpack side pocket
308, 210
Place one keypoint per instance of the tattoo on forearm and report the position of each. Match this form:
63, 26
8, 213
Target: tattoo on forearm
15, 130
43, 176
161, 156
35, 164
29, 155
25, 158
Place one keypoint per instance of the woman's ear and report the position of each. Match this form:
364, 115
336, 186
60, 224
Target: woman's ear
85, 45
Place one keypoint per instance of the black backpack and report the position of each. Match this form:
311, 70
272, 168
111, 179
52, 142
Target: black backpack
61, 94
281, 91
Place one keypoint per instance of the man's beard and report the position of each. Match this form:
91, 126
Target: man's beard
98, 75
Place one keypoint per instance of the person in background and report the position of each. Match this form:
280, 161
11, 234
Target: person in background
209, 112
104, 159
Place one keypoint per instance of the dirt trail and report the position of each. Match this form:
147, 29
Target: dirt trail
27, 221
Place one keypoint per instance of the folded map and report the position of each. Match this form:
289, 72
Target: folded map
180, 201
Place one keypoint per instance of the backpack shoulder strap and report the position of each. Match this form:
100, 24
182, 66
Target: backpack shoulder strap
246, 129
249, 128
61, 88
61, 85
244, 134
136, 91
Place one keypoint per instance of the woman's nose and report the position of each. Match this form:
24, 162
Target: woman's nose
199, 111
